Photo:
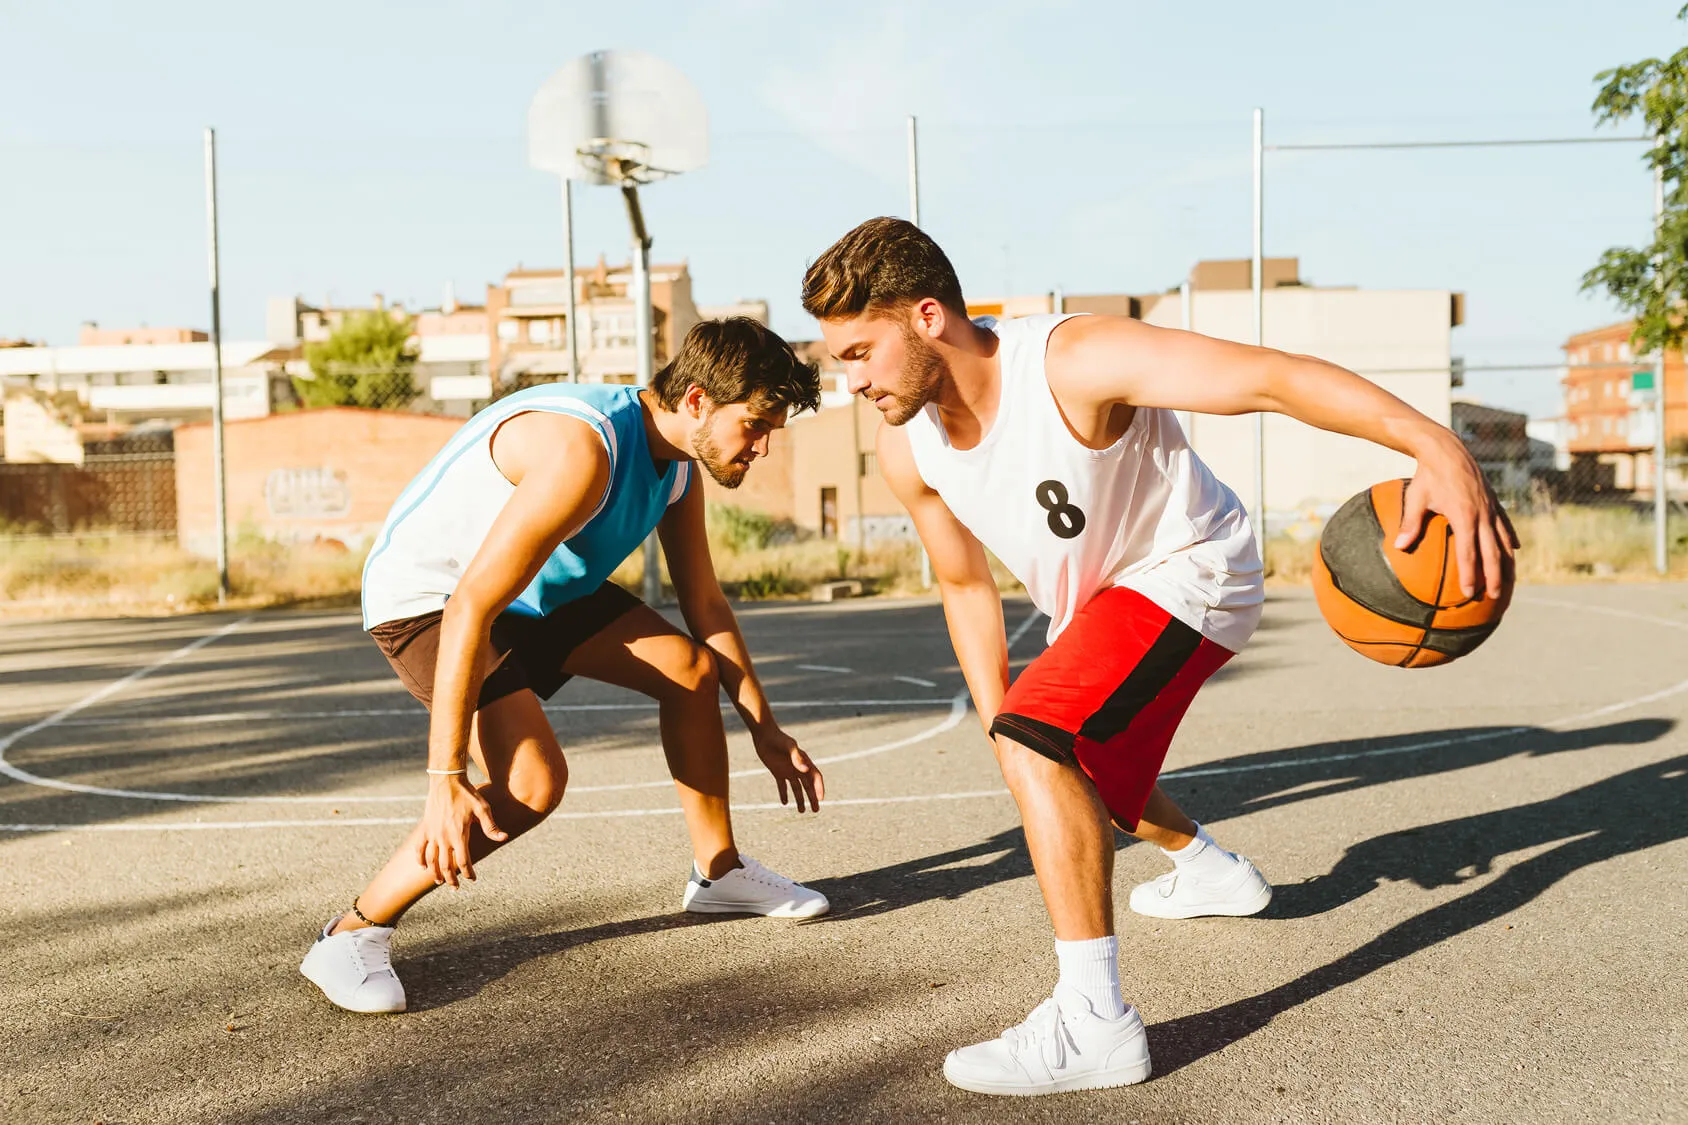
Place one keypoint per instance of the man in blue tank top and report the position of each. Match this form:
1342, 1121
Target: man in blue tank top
488, 588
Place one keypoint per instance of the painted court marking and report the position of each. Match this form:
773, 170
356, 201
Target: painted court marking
958, 711
418, 712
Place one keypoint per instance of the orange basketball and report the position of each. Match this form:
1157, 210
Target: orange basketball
1398, 607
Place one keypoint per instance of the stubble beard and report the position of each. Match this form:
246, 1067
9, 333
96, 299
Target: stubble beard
923, 371
727, 474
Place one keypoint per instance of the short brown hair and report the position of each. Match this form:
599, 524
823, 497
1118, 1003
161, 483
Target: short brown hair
739, 360
883, 264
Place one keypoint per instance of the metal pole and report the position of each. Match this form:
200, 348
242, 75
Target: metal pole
217, 462
1186, 419
1058, 301
644, 330
1259, 323
913, 172
1661, 505
914, 217
571, 327
856, 471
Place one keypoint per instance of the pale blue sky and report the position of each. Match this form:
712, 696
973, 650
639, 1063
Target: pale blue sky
1099, 147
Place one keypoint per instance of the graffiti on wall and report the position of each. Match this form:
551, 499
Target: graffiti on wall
307, 492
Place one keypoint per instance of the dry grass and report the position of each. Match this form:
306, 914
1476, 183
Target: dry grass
756, 558
96, 575
1570, 544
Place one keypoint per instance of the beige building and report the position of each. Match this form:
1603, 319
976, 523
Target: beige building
1400, 339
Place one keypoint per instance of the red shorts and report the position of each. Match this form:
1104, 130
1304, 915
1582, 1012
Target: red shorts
1108, 695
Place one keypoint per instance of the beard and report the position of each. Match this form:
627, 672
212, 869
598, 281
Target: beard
917, 383
727, 473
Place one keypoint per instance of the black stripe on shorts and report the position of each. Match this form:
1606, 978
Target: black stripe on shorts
1165, 658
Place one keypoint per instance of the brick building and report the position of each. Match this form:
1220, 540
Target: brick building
1610, 428
304, 476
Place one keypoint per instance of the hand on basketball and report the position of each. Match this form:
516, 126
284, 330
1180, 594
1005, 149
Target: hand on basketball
1451, 484
454, 806
792, 769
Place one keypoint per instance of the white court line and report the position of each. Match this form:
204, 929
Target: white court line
957, 712
1433, 743
826, 668
915, 680
366, 821
419, 712
59, 716
1667, 622
610, 814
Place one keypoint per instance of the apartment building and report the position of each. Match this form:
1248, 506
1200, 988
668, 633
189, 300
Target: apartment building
1610, 424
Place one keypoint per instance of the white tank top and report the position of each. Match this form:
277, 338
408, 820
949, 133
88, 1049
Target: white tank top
1069, 521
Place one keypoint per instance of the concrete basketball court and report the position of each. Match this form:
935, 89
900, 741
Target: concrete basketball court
1481, 910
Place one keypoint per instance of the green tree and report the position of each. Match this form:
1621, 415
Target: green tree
1651, 282
365, 362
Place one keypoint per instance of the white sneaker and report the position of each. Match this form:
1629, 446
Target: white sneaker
1178, 894
354, 969
752, 889
1062, 1046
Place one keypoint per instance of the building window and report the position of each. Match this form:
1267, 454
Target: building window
829, 513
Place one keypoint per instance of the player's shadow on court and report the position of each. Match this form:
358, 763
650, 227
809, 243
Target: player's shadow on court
1639, 809
457, 972
1236, 787
1251, 783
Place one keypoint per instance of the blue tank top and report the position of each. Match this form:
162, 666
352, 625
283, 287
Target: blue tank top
441, 518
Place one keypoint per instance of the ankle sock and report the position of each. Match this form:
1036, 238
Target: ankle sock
1202, 858
1091, 968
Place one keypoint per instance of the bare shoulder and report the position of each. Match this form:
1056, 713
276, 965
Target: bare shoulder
896, 461
1081, 346
538, 440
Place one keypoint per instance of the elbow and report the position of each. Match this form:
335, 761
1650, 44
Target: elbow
468, 613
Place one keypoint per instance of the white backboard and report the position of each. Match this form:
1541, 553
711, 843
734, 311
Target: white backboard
616, 117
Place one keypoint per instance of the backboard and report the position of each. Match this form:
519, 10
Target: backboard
617, 117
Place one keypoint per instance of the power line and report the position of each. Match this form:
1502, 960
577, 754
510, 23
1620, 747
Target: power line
1505, 143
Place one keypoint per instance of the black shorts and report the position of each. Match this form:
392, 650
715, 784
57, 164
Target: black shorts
530, 651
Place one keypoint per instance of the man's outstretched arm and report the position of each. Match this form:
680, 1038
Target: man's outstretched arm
1094, 361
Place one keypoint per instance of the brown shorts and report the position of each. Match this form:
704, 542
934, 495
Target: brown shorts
530, 651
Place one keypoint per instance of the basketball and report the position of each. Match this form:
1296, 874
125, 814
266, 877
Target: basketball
1403, 608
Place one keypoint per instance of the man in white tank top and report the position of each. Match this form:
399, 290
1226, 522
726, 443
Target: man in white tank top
1050, 440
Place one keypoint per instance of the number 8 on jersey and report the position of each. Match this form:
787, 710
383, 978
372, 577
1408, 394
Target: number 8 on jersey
1065, 520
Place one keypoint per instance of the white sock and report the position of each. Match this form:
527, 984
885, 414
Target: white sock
1202, 858
1092, 969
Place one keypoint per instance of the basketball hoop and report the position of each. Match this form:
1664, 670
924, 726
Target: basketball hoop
617, 118
623, 163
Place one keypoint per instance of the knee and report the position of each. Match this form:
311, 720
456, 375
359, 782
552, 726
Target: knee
695, 675
540, 789
1025, 768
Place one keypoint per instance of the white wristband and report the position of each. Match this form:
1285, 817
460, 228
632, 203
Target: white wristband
448, 773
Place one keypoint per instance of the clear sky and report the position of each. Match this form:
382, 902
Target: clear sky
1099, 147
